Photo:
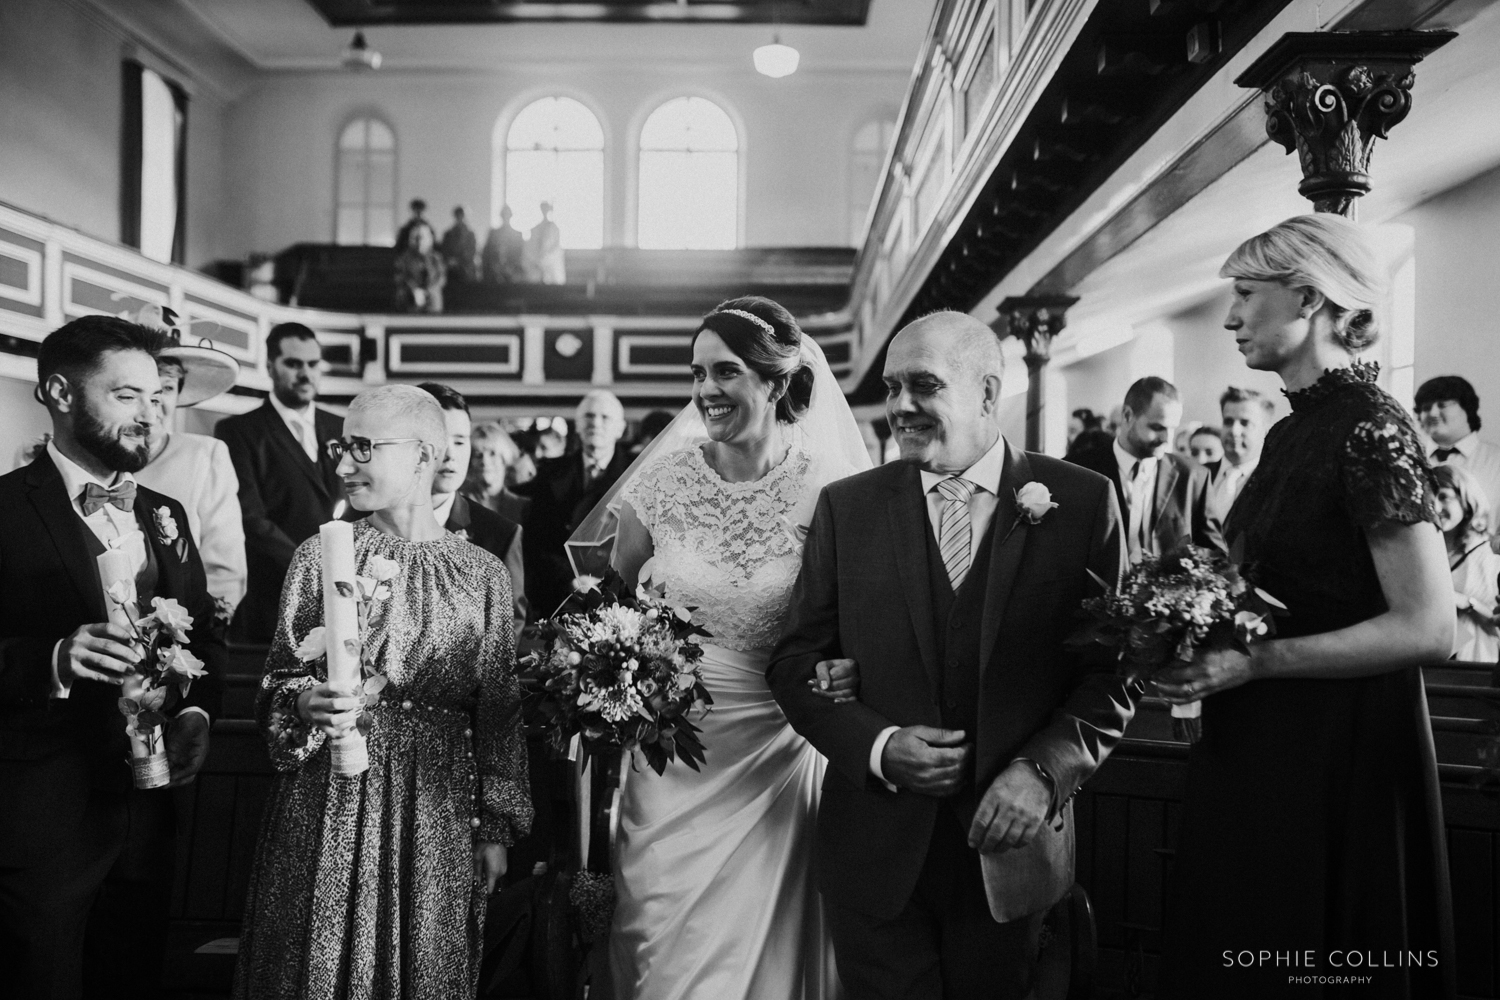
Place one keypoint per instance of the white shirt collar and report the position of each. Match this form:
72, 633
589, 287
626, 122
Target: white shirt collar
441, 511
1466, 445
304, 415
984, 473
75, 477
1126, 462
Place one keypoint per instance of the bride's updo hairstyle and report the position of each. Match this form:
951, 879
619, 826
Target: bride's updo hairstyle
1326, 252
768, 340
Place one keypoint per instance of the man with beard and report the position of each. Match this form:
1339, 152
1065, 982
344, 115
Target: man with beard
86, 859
288, 483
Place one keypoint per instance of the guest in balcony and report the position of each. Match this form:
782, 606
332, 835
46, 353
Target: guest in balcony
544, 251
565, 490
1463, 515
420, 274
195, 469
288, 483
373, 887
1448, 408
1206, 446
497, 534
1312, 822
418, 220
504, 260
460, 250
495, 454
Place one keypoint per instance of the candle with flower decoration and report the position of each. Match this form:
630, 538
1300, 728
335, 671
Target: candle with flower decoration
341, 621
118, 580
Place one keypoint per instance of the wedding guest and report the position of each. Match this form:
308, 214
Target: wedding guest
504, 257
1312, 822
459, 249
86, 859
544, 251
652, 424
496, 533
1162, 496
288, 483
418, 220
495, 454
374, 886
420, 273
1206, 446
1463, 512
1448, 408
565, 490
1246, 416
1080, 420
196, 469
1180, 442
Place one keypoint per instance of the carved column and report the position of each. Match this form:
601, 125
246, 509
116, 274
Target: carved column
1036, 320
1330, 95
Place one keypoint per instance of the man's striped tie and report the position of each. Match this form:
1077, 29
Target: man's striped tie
955, 528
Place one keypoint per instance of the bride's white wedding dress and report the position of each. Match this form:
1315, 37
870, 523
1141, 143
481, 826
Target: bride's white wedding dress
713, 869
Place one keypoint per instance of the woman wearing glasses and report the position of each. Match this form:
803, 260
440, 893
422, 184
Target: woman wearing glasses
374, 886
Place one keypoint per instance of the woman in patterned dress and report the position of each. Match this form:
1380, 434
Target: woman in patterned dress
716, 898
374, 887
1312, 828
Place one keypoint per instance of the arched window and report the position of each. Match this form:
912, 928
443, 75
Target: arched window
553, 152
866, 158
690, 178
366, 184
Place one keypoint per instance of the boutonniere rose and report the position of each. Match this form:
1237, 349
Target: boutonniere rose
1033, 501
166, 526
463, 534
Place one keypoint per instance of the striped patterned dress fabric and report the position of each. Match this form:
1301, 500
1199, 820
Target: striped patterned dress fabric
956, 528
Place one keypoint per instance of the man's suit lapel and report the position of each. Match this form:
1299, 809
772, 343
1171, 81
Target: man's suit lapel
909, 531
280, 436
458, 514
1009, 541
55, 508
169, 557
1166, 479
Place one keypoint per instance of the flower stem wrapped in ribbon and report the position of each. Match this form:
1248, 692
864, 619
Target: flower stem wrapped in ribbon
620, 671
166, 667
1168, 607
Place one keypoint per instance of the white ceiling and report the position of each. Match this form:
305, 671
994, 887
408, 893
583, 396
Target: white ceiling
289, 35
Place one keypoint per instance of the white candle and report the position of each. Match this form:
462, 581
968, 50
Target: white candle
340, 613
114, 567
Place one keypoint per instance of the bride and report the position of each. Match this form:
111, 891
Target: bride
716, 898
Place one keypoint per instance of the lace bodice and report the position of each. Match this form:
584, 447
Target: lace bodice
730, 550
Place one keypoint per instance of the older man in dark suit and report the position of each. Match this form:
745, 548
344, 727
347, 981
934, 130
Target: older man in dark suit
1163, 498
952, 578
289, 484
86, 859
565, 490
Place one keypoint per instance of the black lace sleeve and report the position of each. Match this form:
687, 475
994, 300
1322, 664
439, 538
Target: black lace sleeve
1384, 471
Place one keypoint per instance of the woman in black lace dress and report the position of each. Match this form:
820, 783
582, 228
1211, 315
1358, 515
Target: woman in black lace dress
1311, 842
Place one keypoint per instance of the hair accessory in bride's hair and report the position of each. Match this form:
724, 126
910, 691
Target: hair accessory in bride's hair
744, 314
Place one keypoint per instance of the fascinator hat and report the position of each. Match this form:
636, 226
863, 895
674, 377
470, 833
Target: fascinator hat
821, 424
206, 372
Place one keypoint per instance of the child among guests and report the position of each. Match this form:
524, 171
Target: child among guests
1463, 514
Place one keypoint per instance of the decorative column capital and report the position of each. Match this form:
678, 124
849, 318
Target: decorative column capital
1035, 320
1330, 95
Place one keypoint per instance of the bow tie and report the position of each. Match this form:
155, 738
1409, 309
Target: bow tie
122, 495
1443, 454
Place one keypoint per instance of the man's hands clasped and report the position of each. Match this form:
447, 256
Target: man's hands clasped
927, 760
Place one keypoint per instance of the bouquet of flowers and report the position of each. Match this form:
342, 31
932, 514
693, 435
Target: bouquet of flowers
165, 664
1169, 606
619, 670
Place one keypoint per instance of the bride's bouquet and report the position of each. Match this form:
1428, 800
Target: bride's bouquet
618, 670
1169, 606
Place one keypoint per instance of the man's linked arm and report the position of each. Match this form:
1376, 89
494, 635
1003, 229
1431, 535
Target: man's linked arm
844, 733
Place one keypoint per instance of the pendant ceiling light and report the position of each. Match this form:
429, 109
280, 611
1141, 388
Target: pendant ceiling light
776, 60
359, 55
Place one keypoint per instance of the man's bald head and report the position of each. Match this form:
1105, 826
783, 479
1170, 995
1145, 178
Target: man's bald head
601, 423
942, 378
400, 411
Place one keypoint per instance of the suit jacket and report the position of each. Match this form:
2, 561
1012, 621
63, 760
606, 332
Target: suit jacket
559, 501
283, 500
1180, 511
498, 535
869, 599
49, 585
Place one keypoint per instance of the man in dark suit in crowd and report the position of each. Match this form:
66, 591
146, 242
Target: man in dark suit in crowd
288, 483
86, 859
1163, 498
495, 533
1246, 416
953, 578
564, 491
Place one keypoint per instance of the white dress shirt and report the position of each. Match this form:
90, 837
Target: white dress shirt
1480, 459
985, 475
196, 471
302, 425
440, 511
1138, 478
1225, 488
116, 528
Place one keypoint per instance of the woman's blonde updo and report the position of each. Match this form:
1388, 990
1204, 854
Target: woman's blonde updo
1326, 252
